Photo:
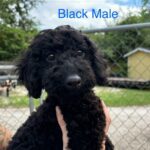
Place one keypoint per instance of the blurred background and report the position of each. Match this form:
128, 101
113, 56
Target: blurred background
125, 43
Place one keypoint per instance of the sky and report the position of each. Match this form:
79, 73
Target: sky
47, 13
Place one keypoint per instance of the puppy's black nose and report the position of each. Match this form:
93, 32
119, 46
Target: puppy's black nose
73, 81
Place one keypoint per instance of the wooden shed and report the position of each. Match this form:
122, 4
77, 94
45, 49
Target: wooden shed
139, 64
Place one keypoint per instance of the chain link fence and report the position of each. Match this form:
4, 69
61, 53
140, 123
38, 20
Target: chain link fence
127, 50
127, 93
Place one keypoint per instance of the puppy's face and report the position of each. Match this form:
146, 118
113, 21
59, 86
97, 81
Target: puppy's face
61, 61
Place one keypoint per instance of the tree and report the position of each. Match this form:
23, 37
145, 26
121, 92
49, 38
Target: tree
15, 13
116, 44
17, 28
13, 40
146, 2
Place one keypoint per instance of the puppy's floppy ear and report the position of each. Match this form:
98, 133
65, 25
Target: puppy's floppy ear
99, 67
29, 74
99, 64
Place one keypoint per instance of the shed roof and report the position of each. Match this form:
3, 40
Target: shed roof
136, 50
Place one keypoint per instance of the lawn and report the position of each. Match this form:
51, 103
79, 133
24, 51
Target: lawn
18, 98
112, 96
123, 97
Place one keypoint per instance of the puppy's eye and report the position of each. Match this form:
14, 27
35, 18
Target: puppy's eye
80, 53
50, 57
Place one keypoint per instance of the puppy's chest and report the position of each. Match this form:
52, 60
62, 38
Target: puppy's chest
85, 124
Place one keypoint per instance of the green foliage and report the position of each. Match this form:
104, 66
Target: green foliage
146, 2
116, 44
13, 40
15, 13
16, 26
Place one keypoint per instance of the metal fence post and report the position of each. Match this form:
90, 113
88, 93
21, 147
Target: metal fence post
31, 104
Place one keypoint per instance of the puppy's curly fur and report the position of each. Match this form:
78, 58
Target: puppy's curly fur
54, 57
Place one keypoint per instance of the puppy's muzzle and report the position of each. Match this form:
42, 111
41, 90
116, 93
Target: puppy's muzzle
73, 81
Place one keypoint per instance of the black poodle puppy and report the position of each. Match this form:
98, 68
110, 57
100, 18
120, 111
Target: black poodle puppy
67, 65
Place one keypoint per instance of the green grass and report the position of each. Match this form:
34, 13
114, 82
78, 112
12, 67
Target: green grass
18, 98
123, 97
115, 97
14, 101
